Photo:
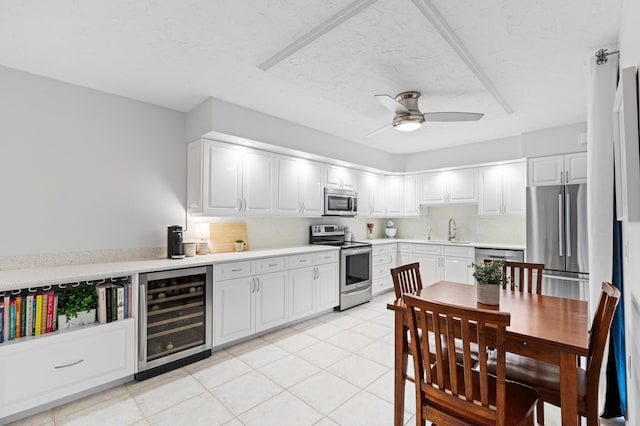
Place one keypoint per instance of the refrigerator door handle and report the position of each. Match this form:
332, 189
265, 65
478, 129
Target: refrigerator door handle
567, 211
560, 226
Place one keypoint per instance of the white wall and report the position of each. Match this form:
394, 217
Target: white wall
555, 140
629, 37
84, 170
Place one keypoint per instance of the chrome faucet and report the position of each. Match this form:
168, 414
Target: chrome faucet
452, 230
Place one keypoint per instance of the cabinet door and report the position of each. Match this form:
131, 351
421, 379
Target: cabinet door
429, 268
514, 189
433, 187
258, 182
377, 196
546, 170
327, 286
405, 258
340, 177
575, 166
394, 195
457, 269
271, 300
287, 200
491, 199
310, 186
234, 311
301, 283
411, 206
222, 184
365, 202
194, 178
462, 186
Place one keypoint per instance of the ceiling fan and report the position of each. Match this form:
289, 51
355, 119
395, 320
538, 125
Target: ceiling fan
408, 116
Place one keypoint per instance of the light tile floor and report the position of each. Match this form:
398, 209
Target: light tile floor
333, 370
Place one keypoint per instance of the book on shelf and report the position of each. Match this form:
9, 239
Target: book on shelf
114, 302
23, 316
33, 314
109, 311
12, 320
5, 332
18, 302
130, 303
43, 314
120, 301
1, 320
29, 314
55, 311
126, 300
102, 303
38, 314
49, 318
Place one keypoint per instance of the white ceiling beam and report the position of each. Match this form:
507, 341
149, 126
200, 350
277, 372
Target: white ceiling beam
317, 32
440, 24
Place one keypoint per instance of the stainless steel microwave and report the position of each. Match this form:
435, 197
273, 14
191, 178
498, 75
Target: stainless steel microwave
340, 202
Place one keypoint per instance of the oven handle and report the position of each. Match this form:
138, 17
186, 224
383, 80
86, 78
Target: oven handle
367, 288
350, 252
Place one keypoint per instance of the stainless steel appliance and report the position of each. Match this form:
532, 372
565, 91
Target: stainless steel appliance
488, 253
557, 237
175, 249
340, 202
175, 319
355, 263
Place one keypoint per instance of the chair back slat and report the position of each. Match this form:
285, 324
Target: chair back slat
520, 276
451, 388
406, 279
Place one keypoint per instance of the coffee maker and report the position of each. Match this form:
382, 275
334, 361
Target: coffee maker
174, 242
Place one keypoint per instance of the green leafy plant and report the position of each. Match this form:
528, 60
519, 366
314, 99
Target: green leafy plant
488, 273
76, 300
240, 241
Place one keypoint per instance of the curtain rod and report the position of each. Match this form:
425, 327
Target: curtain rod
601, 56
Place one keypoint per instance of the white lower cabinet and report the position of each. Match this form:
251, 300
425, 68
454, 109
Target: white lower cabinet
444, 263
384, 257
249, 304
257, 295
45, 369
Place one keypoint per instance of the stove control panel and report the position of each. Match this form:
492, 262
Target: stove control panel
327, 230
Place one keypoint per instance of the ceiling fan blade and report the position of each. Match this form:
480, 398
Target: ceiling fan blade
452, 116
392, 104
375, 132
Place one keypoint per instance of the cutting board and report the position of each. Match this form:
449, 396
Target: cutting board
223, 235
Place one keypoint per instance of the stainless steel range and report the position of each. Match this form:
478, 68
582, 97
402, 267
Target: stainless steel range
355, 263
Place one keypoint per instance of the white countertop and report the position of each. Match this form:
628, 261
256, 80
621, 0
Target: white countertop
474, 244
38, 277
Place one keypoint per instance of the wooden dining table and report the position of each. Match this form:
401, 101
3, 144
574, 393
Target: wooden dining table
546, 328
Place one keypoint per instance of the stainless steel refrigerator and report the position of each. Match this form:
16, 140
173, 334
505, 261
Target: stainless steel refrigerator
557, 237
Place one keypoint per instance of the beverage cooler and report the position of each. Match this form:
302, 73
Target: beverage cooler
175, 319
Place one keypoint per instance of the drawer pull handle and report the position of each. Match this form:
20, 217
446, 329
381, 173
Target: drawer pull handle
303, 260
69, 365
236, 270
273, 264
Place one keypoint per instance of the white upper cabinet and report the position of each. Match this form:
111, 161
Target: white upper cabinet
449, 187
502, 189
299, 188
341, 178
228, 180
558, 169
394, 195
370, 194
411, 205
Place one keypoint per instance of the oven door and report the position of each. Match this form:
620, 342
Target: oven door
355, 269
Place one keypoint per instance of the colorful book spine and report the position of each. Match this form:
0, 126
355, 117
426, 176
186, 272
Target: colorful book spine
38, 316
114, 303
18, 313
108, 304
23, 316
33, 315
49, 318
29, 309
102, 304
7, 302
12, 320
120, 301
55, 311
1, 321
43, 314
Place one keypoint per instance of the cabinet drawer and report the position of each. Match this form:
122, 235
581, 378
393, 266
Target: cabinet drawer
383, 249
328, 257
428, 249
384, 259
458, 251
227, 271
381, 271
272, 264
300, 260
43, 370
405, 247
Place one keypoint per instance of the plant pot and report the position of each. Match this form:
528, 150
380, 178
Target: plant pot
84, 318
239, 246
488, 294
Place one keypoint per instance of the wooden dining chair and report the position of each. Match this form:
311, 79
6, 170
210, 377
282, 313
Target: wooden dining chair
520, 276
406, 279
459, 393
546, 377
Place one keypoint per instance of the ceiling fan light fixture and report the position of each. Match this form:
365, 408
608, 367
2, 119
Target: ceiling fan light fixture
407, 125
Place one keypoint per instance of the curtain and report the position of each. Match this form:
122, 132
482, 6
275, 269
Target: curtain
601, 93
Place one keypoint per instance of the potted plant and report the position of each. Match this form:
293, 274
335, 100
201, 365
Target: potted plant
239, 245
77, 306
489, 279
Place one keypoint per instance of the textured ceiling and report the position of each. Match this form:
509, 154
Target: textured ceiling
178, 53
